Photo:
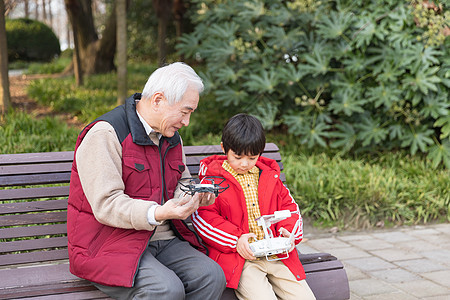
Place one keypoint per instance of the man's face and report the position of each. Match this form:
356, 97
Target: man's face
173, 117
241, 163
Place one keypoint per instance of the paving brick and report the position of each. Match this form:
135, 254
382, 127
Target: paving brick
436, 239
442, 297
445, 228
371, 244
440, 256
421, 265
370, 264
353, 237
394, 275
418, 246
368, 287
353, 296
305, 248
398, 295
423, 232
394, 236
441, 277
349, 252
393, 254
326, 243
354, 273
423, 288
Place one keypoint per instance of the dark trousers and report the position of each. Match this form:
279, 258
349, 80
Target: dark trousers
172, 269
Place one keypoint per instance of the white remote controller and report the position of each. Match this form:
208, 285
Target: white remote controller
273, 245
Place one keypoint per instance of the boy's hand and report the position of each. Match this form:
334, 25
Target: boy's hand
243, 247
285, 233
206, 199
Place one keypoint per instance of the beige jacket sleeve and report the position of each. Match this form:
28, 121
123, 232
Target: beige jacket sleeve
99, 164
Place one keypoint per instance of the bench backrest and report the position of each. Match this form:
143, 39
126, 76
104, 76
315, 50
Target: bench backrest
33, 200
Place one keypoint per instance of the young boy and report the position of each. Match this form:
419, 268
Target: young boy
229, 225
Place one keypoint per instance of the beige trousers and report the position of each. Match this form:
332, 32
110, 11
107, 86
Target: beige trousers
262, 279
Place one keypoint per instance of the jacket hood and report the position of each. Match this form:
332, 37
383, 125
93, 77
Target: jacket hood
214, 165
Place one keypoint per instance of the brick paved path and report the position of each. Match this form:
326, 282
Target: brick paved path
406, 263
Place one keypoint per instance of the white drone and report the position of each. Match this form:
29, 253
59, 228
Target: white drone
271, 245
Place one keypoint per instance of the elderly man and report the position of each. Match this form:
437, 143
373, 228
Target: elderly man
125, 228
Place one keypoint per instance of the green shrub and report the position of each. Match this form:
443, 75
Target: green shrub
353, 75
30, 40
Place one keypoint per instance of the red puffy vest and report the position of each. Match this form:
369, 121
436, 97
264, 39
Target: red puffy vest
108, 255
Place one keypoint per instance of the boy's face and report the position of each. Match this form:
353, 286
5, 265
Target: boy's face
241, 163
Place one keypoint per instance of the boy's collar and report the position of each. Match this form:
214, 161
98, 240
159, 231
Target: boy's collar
227, 167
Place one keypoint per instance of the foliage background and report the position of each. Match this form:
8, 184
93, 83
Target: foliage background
354, 93
359, 76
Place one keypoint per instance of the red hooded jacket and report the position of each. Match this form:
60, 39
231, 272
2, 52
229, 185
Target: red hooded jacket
221, 224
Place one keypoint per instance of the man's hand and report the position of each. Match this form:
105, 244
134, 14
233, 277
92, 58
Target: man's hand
243, 247
180, 208
285, 233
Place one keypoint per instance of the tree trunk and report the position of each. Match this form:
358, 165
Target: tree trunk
36, 9
5, 98
121, 13
27, 9
179, 10
44, 12
96, 55
163, 11
77, 69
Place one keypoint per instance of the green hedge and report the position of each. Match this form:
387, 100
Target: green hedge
30, 40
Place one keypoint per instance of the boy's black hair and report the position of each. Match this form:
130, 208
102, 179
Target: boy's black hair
244, 135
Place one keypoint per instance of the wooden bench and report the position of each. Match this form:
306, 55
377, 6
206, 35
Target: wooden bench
33, 242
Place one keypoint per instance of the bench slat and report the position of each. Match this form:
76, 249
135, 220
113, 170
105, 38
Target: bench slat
37, 275
30, 158
34, 244
323, 266
34, 193
33, 206
35, 168
18, 232
27, 219
70, 295
19, 180
32, 257
57, 292
46, 280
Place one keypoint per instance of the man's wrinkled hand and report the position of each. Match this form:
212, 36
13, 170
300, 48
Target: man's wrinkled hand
180, 208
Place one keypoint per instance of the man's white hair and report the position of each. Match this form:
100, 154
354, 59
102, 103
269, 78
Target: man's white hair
172, 80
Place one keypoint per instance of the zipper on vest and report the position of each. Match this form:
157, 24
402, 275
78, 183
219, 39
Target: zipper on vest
163, 172
161, 165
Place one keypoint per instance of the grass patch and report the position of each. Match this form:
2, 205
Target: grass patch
22, 133
361, 193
